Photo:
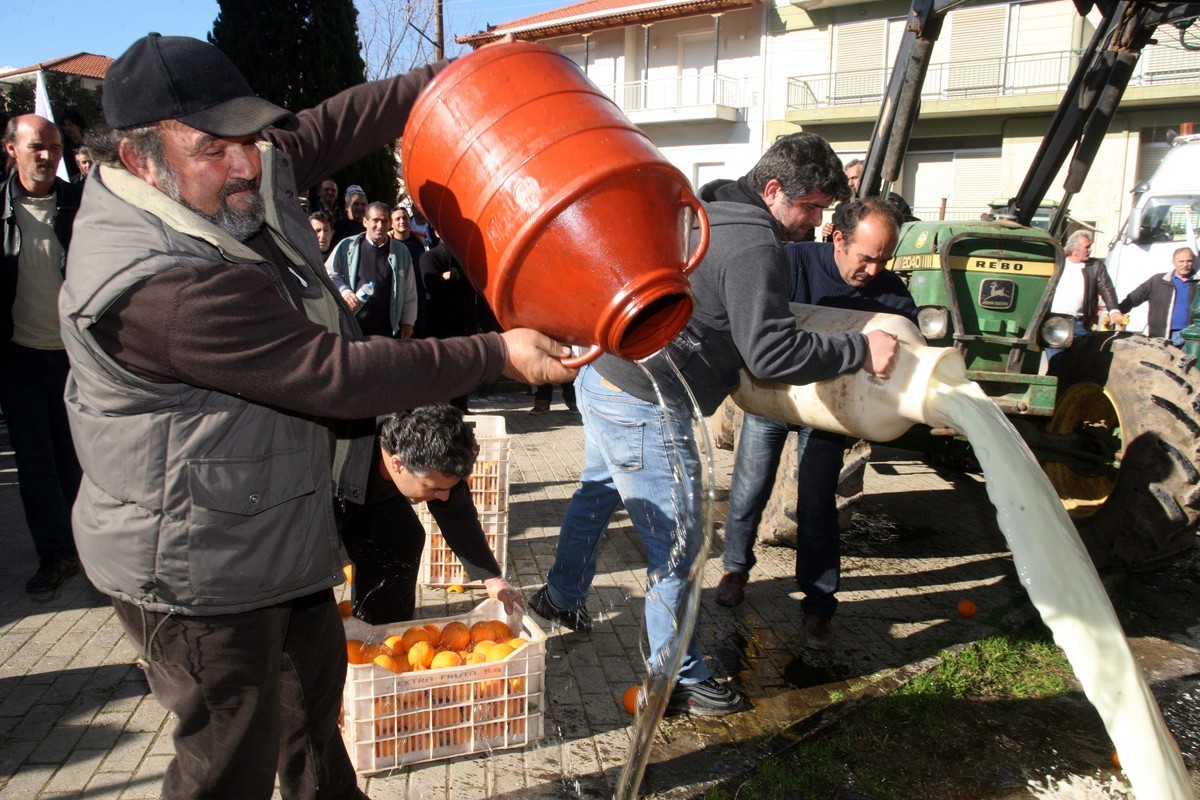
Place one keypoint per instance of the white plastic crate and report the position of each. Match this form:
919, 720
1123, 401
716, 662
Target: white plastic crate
391, 720
489, 489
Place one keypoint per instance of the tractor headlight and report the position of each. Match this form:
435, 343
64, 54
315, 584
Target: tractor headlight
934, 321
1058, 330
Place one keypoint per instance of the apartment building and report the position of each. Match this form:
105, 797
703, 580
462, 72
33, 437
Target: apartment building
687, 72
996, 76
712, 82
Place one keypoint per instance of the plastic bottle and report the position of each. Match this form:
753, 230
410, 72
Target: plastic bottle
365, 291
857, 403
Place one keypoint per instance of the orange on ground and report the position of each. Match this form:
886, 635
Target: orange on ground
448, 658
967, 608
345, 609
420, 655
456, 636
630, 699
498, 652
1116, 759
414, 635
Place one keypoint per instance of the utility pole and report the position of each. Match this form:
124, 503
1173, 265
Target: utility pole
439, 35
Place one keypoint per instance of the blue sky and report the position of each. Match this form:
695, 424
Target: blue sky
39, 30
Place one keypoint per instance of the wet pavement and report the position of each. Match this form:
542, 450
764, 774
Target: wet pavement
77, 720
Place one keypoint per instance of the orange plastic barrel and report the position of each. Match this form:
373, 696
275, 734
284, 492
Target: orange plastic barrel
565, 216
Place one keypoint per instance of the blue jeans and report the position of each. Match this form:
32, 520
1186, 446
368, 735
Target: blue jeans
818, 537
48, 473
639, 456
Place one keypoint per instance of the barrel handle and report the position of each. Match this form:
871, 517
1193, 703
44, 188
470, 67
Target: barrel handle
691, 200
587, 357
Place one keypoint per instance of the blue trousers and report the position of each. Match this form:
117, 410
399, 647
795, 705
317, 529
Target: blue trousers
32, 383
637, 455
818, 537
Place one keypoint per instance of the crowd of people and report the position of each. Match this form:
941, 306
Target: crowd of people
185, 355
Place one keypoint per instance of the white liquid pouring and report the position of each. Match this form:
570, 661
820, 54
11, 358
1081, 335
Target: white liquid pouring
1055, 570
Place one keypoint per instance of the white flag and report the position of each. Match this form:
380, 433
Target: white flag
41, 107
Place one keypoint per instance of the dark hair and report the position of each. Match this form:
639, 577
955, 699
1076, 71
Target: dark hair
322, 216
380, 206
802, 163
73, 115
847, 216
432, 438
83, 150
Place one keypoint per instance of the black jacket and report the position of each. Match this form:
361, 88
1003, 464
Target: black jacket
64, 217
1160, 291
1096, 283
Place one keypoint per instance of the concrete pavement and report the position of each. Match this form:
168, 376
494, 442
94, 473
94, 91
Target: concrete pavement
77, 720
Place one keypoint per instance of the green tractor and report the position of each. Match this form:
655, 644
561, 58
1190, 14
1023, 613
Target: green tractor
1116, 422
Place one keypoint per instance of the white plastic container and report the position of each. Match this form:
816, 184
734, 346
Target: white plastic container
391, 720
489, 489
857, 404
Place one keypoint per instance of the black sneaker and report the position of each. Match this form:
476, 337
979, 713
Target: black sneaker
706, 699
52, 573
576, 619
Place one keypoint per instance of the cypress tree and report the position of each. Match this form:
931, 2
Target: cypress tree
297, 53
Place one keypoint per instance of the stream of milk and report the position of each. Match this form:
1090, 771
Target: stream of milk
1060, 579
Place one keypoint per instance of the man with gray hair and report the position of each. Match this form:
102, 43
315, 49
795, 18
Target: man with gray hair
224, 401
1083, 282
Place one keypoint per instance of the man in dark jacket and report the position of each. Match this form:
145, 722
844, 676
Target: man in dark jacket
848, 272
1170, 295
224, 400
36, 213
644, 456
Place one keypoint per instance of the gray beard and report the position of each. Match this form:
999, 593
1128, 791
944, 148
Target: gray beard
241, 225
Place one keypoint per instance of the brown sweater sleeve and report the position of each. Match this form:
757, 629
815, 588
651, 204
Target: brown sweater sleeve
352, 124
225, 327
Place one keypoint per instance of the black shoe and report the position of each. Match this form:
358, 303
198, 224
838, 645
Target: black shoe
706, 699
731, 591
52, 573
540, 407
576, 619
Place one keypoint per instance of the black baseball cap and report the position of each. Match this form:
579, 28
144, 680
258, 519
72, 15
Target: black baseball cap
177, 77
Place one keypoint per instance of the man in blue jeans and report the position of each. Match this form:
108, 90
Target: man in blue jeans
847, 272
643, 454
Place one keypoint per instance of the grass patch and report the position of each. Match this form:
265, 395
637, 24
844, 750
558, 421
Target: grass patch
935, 737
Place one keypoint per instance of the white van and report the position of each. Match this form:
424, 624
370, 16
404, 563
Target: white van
1165, 217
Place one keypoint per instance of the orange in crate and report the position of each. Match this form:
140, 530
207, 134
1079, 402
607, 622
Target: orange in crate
392, 720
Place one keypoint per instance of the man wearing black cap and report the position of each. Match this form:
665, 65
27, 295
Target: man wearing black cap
223, 399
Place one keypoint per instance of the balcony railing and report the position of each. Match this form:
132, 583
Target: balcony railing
993, 77
666, 93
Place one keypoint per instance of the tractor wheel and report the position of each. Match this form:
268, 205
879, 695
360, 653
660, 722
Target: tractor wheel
1140, 400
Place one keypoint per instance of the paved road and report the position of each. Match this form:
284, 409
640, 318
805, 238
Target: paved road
77, 720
